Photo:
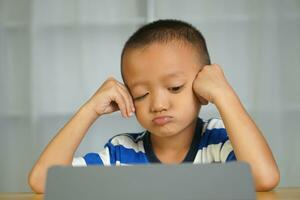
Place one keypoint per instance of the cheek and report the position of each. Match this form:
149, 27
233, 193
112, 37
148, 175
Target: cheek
141, 116
140, 109
188, 97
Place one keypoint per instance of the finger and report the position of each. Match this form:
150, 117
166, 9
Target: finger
129, 96
119, 99
126, 99
132, 109
127, 91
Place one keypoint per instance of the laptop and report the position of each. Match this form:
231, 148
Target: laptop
231, 180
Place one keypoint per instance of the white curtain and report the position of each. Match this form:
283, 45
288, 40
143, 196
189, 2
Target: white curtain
54, 55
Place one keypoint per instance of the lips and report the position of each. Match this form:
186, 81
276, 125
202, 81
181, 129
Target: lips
162, 120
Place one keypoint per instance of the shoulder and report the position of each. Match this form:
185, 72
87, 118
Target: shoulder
214, 131
128, 140
122, 149
127, 149
214, 145
213, 123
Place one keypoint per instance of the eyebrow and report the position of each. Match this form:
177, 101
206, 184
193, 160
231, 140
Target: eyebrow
170, 75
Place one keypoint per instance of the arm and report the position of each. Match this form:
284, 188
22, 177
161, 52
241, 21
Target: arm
247, 140
111, 97
61, 149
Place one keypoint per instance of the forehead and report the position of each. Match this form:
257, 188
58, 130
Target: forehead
159, 62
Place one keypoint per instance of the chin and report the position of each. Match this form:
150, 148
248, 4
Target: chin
164, 131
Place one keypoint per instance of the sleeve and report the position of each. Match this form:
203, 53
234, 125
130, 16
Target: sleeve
217, 147
93, 158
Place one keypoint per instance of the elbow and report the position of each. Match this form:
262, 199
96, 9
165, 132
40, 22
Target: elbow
268, 181
36, 182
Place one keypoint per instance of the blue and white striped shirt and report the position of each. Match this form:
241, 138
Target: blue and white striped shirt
210, 144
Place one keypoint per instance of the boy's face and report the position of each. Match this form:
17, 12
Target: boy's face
160, 79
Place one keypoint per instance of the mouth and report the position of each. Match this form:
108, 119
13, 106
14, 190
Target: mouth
162, 120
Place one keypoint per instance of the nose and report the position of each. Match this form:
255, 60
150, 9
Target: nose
159, 102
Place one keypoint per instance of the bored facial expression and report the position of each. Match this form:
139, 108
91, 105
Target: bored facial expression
160, 78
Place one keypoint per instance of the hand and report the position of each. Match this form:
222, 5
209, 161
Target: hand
210, 84
110, 97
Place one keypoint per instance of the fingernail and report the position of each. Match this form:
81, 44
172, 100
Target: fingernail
130, 114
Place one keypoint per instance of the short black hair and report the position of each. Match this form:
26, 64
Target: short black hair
164, 31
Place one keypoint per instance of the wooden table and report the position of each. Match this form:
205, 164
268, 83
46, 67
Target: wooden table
277, 194
280, 194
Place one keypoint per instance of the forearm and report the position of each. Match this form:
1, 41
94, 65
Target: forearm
61, 149
248, 142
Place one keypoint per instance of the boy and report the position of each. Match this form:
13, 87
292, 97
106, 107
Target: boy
167, 77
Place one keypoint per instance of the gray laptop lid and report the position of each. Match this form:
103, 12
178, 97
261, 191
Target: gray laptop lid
158, 182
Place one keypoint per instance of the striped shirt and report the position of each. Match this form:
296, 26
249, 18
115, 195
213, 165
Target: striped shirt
210, 144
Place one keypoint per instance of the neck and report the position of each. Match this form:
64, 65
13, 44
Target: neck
173, 149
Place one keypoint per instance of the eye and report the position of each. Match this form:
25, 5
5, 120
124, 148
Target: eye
175, 89
140, 97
